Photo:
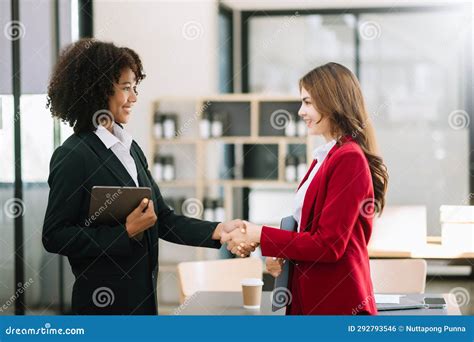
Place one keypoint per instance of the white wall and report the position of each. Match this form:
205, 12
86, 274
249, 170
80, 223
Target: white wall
161, 33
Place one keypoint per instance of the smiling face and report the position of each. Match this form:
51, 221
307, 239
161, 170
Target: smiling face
124, 97
315, 123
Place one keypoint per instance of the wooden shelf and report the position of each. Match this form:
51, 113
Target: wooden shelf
244, 183
250, 97
236, 183
434, 251
233, 140
227, 98
433, 239
188, 183
231, 182
257, 140
176, 141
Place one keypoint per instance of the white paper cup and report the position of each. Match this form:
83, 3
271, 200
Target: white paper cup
252, 292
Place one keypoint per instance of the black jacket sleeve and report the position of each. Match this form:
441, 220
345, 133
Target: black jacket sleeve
63, 231
177, 228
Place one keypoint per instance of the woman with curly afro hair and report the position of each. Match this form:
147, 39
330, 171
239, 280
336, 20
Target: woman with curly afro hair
94, 88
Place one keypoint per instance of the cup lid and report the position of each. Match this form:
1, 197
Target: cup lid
252, 282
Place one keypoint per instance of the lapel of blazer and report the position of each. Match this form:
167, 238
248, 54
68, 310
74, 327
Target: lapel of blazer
143, 180
141, 167
307, 212
313, 164
108, 159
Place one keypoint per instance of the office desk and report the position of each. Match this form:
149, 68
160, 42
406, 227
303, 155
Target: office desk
432, 249
230, 303
429, 251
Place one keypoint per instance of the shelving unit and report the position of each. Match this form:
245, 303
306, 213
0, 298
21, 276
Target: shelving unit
247, 112
249, 125
184, 183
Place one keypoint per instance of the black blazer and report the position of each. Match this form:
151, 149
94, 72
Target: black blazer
113, 273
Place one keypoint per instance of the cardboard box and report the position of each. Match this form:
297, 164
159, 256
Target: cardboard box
457, 227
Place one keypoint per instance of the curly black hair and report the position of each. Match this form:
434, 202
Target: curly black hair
83, 80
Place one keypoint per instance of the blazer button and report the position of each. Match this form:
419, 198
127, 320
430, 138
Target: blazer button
297, 264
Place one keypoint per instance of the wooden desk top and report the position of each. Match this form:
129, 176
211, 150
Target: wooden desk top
433, 249
230, 303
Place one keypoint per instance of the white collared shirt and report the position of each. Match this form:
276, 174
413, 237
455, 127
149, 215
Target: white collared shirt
319, 154
119, 142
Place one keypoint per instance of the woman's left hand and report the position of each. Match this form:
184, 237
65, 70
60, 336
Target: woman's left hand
274, 266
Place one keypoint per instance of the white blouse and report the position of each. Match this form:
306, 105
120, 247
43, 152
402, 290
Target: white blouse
319, 154
120, 143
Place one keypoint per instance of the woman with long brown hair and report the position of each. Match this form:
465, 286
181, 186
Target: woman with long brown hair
334, 204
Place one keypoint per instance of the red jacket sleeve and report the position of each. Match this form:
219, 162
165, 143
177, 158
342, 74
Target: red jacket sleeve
348, 185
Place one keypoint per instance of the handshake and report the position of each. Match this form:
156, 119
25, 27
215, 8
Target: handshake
241, 237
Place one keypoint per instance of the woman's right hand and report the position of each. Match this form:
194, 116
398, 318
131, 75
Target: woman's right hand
139, 220
274, 266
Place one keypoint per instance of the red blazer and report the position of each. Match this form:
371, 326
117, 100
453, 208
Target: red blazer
331, 274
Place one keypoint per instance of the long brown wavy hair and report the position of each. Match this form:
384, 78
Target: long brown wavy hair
337, 95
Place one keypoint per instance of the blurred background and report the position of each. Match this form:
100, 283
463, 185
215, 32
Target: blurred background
219, 74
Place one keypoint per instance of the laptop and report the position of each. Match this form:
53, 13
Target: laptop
405, 304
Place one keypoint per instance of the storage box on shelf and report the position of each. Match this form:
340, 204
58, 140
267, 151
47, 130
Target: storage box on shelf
457, 227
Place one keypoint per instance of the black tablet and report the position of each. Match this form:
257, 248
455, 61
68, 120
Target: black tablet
110, 205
